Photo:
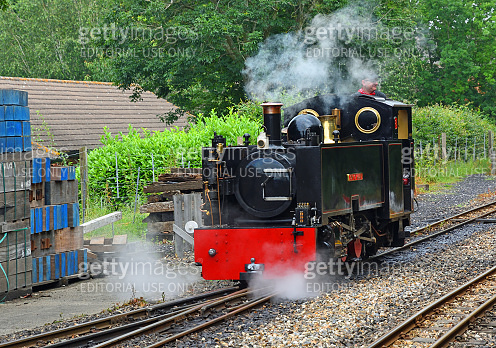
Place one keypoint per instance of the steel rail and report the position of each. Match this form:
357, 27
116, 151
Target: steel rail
104, 323
204, 325
453, 217
167, 322
101, 336
423, 239
393, 335
459, 328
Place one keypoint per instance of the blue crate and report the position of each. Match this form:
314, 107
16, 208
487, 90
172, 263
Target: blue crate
9, 144
64, 173
13, 128
38, 220
57, 266
21, 113
8, 113
49, 268
71, 173
32, 221
26, 128
40, 269
47, 218
47, 169
64, 216
18, 144
63, 265
35, 277
2, 113
14, 97
37, 174
2, 128
27, 143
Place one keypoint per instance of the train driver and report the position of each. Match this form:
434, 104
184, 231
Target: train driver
369, 86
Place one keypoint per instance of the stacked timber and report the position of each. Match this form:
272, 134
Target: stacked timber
15, 185
160, 204
56, 236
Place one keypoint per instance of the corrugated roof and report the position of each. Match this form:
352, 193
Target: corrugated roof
76, 111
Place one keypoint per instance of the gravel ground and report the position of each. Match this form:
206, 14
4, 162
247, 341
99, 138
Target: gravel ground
325, 311
452, 199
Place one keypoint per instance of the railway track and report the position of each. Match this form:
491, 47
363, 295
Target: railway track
161, 323
445, 225
113, 326
443, 321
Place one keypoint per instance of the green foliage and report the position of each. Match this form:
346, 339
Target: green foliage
131, 224
193, 52
40, 38
450, 172
456, 121
462, 126
170, 148
457, 53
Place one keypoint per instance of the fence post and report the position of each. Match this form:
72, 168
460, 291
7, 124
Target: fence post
443, 147
153, 168
475, 144
83, 166
456, 148
466, 148
434, 150
136, 195
117, 174
484, 146
492, 155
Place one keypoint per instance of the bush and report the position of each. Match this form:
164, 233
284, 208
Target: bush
170, 148
456, 121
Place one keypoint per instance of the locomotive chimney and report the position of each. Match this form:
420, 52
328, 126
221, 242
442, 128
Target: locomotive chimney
272, 122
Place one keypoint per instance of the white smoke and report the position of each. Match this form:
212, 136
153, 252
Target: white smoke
325, 57
147, 275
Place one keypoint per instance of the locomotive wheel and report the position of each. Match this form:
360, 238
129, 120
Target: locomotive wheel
370, 249
326, 246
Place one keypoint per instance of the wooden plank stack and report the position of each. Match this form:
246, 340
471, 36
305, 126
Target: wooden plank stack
56, 237
15, 185
160, 205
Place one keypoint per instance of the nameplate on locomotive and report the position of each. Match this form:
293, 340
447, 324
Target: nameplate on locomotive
355, 176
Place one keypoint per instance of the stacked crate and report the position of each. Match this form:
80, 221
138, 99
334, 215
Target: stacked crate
15, 184
56, 237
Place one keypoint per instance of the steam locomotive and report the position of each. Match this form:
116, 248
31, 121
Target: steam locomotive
334, 183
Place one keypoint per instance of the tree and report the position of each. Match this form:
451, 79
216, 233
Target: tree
458, 52
39, 38
193, 52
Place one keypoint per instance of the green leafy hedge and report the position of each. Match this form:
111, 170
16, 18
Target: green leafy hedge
170, 148
456, 121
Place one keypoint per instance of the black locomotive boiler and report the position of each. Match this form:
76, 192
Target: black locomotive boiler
334, 183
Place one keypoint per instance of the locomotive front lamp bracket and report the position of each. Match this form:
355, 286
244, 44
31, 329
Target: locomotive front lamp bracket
295, 234
253, 267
